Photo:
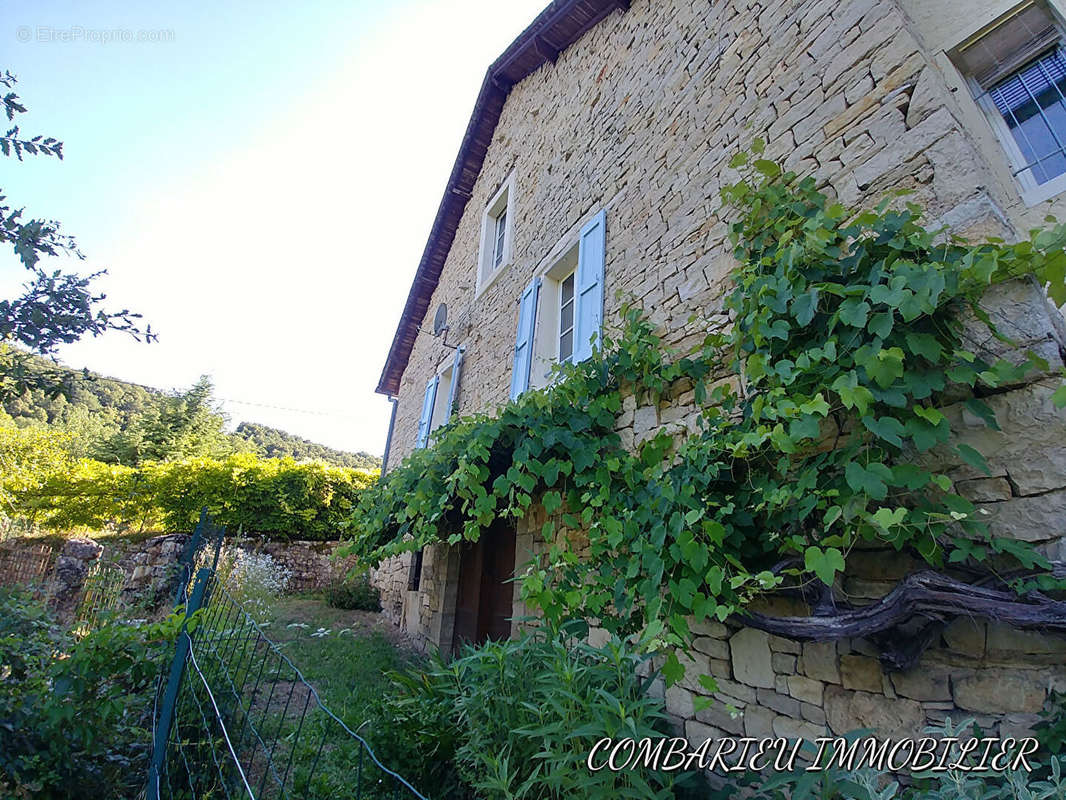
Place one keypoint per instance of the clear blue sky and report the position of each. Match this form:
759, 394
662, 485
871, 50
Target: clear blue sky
259, 182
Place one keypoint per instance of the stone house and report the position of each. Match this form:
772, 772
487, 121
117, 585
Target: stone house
591, 169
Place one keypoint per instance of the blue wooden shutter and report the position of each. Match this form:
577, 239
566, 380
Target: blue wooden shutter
453, 392
523, 348
427, 411
588, 313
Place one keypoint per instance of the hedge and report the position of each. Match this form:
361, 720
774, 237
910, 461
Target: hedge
276, 497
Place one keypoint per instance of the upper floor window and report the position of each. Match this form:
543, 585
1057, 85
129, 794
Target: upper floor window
439, 401
1017, 69
561, 311
497, 234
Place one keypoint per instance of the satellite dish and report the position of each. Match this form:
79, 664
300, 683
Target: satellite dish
440, 320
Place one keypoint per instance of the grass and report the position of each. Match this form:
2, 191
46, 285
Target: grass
345, 655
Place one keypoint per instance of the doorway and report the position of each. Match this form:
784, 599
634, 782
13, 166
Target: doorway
484, 602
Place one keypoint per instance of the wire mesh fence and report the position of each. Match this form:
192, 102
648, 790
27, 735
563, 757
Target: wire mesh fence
202, 549
101, 595
237, 719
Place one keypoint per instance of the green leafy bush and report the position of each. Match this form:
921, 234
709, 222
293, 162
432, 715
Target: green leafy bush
278, 497
1051, 730
75, 713
27, 456
354, 593
517, 719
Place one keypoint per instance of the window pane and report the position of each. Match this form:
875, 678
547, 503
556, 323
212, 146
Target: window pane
568, 288
566, 346
1033, 105
501, 231
566, 317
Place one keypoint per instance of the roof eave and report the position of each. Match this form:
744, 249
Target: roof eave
557, 27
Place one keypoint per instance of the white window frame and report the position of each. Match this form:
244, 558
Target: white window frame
444, 390
502, 203
1031, 192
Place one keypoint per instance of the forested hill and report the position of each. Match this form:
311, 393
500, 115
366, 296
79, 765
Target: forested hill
118, 422
271, 442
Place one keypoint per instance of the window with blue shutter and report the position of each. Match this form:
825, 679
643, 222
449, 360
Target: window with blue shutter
588, 315
453, 390
428, 402
523, 348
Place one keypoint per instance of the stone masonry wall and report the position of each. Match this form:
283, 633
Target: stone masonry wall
149, 564
641, 117
999, 675
310, 564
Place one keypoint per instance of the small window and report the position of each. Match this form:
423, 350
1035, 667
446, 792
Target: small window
414, 577
1017, 69
560, 311
553, 339
441, 412
497, 226
566, 318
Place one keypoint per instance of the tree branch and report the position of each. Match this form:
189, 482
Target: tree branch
923, 596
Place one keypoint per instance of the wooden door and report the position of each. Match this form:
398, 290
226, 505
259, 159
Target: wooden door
484, 600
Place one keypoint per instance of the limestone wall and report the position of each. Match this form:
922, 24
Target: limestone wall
310, 564
426, 615
999, 675
149, 564
769, 686
641, 117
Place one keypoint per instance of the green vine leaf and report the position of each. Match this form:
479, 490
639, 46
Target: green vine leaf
1059, 397
981, 409
871, 480
672, 670
824, 563
854, 312
973, 458
889, 429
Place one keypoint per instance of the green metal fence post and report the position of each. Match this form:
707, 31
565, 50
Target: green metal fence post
177, 671
187, 560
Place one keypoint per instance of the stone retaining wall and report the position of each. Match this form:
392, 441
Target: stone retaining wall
149, 564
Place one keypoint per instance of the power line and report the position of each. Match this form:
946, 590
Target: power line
288, 408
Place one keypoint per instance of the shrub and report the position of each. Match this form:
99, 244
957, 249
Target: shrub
276, 496
354, 593
517, 719
75, 713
